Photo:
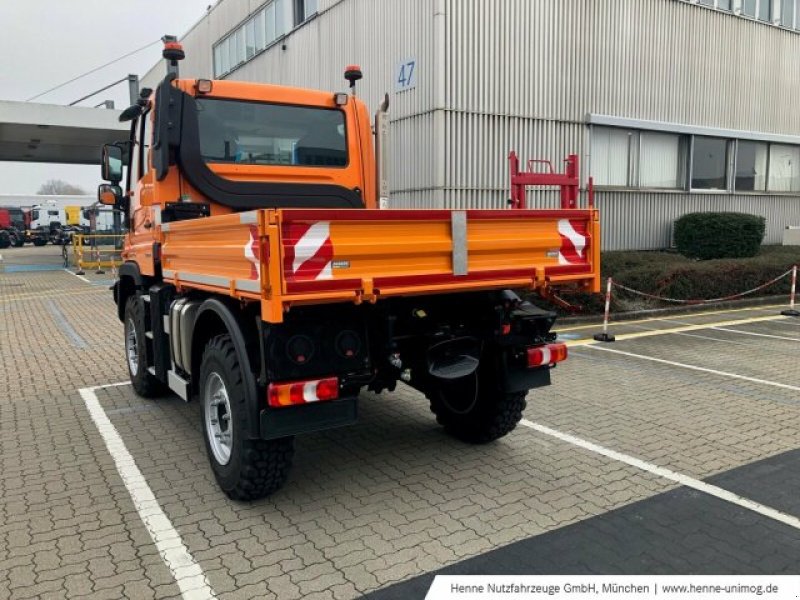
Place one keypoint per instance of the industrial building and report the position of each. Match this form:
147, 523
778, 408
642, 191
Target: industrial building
673, 106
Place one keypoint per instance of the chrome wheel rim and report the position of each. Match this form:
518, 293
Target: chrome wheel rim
219, 425
132, 348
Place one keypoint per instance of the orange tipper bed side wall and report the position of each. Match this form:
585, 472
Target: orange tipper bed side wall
289, 257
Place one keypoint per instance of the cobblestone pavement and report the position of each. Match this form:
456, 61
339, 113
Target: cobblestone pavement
366, 506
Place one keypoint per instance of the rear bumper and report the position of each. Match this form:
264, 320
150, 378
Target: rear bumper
307, 418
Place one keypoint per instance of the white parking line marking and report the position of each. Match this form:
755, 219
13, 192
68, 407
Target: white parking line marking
685, 480
671, 330
187, 573
672, 363
81, 277
695, 335
755, 309
764, 335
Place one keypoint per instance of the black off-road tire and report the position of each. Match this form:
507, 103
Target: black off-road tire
143, 382
256, 467
39, 242
476, 417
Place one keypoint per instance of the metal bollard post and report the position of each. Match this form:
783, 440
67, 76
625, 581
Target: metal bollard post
605, 336
792, 311
97, 255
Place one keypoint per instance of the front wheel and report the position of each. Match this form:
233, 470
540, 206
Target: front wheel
245, 469
144, 383
474, 408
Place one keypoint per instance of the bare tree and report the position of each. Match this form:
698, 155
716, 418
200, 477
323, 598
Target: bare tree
55, 187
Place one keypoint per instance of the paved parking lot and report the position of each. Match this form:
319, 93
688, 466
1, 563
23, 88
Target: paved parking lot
674, 450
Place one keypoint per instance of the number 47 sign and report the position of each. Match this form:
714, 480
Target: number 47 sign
405, 75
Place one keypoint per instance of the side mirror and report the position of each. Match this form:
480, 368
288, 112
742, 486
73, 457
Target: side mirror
110, 195
112, 163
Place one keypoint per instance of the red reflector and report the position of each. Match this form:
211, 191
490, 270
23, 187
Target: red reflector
302, 392
547, 355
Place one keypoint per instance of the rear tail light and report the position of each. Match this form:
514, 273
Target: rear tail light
547, 355
302, 392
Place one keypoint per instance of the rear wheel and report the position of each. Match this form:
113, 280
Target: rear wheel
144, 383
245, 469
474, 408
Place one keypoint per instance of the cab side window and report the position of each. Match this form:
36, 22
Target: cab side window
145, 139
133, 171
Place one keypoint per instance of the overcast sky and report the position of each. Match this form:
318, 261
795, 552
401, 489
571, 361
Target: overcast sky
47, 42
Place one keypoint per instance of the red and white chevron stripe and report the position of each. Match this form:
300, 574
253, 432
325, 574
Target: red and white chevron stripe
252, 252
574, 240
308, 251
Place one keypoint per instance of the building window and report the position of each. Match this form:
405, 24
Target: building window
760, 9
662, 160
765, 10
270, 23
751, 166
785, 13
611, 149
250, 39
789, 13
710, 163
638, 159
784, 168
258, 32
304, 10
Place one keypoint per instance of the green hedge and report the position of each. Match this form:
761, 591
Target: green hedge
671, 275
668, 274
719, 235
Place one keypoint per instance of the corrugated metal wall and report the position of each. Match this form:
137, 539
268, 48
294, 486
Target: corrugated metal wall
662, 60
523, 75
634, 220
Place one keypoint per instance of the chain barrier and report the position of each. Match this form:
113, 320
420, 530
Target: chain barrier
607, 337
707, 301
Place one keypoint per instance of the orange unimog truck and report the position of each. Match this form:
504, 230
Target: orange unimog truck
261, 277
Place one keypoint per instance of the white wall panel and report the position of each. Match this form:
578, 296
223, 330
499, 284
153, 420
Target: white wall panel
644, 220
662, 60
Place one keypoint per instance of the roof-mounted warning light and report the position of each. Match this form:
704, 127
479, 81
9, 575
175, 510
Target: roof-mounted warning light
353, 73
173, 52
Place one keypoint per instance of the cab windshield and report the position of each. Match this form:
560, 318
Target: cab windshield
257, 133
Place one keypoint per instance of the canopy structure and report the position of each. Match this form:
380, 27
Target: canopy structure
50, 133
